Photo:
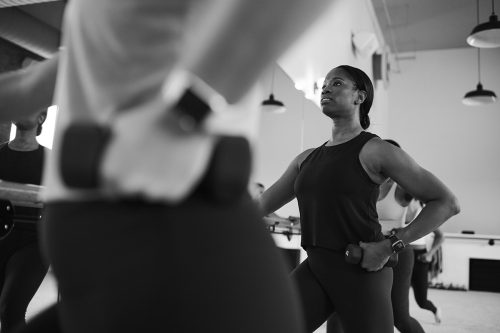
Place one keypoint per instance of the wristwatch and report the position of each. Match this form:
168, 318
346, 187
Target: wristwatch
193, 99
397, 244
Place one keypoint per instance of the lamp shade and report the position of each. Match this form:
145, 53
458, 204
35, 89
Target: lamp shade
273, 105
486, 35
479, 96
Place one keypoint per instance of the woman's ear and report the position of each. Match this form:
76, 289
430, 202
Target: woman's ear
41, 117
361, 96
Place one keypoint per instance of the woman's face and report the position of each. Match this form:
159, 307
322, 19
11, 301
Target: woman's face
339, 94
28, 123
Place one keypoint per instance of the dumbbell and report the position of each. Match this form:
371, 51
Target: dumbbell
354, 255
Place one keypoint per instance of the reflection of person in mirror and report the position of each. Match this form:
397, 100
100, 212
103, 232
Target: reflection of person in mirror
21, 266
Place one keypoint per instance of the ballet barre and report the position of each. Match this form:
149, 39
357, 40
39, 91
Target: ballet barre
286, 226
18, 203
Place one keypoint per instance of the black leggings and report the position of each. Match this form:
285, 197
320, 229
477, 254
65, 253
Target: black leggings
400, 293
328, 284
138, 267
399, 297
21, 272
420, 282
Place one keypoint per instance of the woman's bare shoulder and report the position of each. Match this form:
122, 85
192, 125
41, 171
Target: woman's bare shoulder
303, 156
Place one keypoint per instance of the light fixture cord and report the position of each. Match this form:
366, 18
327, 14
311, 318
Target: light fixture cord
477, 12
493, 7
478, 49
479, 64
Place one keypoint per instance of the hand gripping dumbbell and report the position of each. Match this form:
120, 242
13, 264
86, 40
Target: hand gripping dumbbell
354, 255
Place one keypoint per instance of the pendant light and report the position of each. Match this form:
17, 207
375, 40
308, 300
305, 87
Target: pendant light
486, 35
479, 96
272, 105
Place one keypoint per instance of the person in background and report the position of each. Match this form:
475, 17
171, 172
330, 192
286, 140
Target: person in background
22, 268
423, 256
337, 187
392, 210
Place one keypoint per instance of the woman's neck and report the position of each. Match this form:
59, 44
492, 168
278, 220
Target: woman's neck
344, 131
24, 141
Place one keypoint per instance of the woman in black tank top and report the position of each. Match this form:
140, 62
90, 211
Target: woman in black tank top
336, 186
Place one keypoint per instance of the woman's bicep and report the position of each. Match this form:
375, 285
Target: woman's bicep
281, 192
414, 179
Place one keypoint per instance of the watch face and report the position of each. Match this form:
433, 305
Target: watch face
398, 246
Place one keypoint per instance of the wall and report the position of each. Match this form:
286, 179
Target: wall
458, 143
457, 251
284, 136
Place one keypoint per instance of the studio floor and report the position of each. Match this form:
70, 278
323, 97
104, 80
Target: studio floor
462, 311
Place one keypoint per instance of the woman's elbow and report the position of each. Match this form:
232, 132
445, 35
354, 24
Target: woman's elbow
453, 205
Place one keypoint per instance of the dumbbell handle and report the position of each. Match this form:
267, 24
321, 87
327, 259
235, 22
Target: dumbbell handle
354, 255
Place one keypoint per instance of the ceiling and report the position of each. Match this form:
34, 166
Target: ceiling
47, 11
33, 25
418, 25
407, 25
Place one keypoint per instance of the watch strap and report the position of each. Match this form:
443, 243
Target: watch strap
397, 244
191, 99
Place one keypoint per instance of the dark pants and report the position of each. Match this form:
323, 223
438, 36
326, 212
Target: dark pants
420, 282
399, 297
46, 321
328, 284
22, 270
135, 267
400, 294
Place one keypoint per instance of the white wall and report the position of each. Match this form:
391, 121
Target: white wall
457, 252
460, 144
284, 136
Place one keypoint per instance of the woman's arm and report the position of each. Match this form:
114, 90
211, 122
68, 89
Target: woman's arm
440, 203
236, 40
436, 243
282, 191
27, 91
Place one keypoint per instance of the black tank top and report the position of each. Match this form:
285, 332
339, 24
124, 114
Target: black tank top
337, 199
24, 167
21, 166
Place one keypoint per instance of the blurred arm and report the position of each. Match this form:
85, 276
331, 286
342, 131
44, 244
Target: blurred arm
26, 91
239, 38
